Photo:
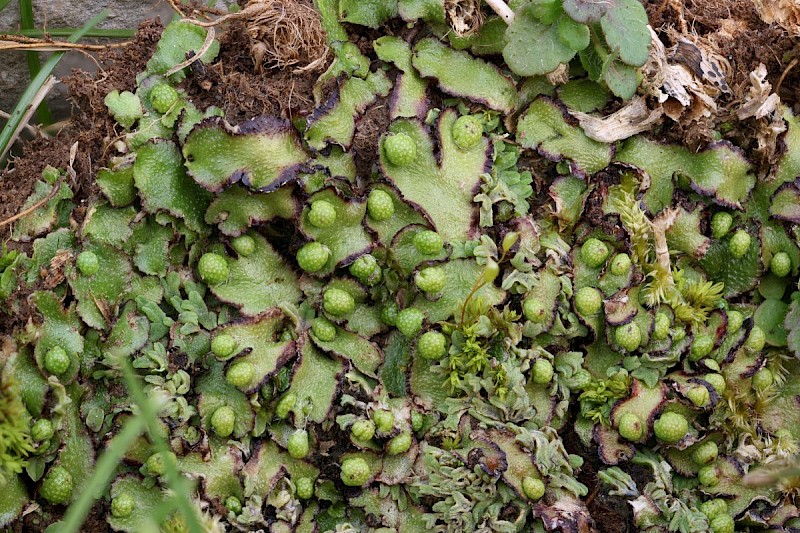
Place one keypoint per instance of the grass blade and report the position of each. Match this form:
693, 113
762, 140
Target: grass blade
34, 64
175, 480
27, 100
146, 420
104, 469
4, 3
66, 32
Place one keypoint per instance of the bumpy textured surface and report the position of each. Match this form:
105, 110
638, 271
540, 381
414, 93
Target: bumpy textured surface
57, 485
213, 268
671, 427
438, 285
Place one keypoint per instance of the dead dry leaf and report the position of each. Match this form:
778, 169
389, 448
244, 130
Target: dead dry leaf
635, 117
785, 13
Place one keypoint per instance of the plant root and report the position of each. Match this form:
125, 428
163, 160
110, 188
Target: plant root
283, 33
286, 33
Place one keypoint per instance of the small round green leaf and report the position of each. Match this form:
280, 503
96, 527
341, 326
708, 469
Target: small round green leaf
573, 34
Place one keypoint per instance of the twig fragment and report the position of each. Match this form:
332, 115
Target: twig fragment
502, 9
210, 34
34, 207
19, 42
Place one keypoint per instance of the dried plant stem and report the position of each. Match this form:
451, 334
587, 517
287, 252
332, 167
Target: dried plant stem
660, 226
200, 53
37, 89
281, 35
502, 9
27, 127
243, 14
66, 32
788, 68
19, 42
34, 207
176, 9
189, 11
34, 62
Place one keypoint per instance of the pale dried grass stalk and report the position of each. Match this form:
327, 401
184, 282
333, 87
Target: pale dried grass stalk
502, 9
32, 208
29, 111
20, 42
209, 40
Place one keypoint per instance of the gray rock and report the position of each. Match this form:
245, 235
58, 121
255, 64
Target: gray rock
68, 14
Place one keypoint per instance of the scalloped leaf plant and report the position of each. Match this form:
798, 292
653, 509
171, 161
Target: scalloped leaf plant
442, 189
418, 297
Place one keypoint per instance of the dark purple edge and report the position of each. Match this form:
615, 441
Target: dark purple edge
624, 292
688, 209
252, 465
387, 178
326, 108
346, 364
272, 312
486, 439
451, 91
412, 453
602, 436
488, 163
238, 464
264, 124
346, 359
388, 184
238, 305
571, 121
648, 424
735, 150
252, 221
795, 186
719, 334
288, 352
349, 258
714, 395
421, 107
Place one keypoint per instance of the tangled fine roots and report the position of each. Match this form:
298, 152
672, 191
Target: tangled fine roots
464, 16
286, 33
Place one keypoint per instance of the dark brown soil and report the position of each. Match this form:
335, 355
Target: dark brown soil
736, 31
234, 84
231, 83
95, 521
368, 130
611, 514
242, 91
17, 184
91, 126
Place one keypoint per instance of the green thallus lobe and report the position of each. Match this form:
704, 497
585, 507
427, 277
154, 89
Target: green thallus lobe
406, 321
